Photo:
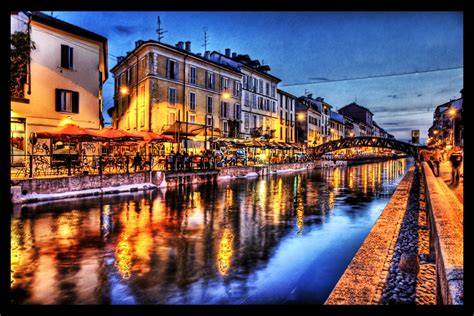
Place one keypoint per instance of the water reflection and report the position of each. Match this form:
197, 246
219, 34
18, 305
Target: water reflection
266, 240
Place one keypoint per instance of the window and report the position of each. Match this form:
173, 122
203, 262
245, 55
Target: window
273, 91
246, 121
246, 99
267, 88
172, 97
254, 121
237, 88
142, 65
209, 120
192, 101
209, 104
67, 101
172, 118
66, 56
172, 69
224, 109
254, 101
237, 111
225, 125
224, 83
210, 80
192, 118
142, 117
246, 82
192, 75
273, 106
260, 86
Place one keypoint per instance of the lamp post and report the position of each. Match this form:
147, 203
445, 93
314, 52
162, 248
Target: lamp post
452, 114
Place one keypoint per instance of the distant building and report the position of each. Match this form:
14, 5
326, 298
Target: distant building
337, 125
286, 112
448, 123
361, 115
64, 79
309, 121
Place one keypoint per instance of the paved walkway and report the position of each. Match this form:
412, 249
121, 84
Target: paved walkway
445, 171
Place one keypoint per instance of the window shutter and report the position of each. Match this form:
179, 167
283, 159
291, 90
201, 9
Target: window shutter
176, 69
58, 100
71, 63
75, 102
64, 53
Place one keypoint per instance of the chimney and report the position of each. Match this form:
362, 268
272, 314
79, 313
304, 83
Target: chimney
199, 54
180, 45
188, 46
120, 58
227, 52
207, 53
234, 54
138, 43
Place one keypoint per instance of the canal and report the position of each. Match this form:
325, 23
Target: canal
283, 239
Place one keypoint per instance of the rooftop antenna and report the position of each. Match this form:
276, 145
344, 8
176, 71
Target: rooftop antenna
160, 31
206, 38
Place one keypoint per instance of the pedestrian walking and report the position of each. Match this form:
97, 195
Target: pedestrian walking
437, 158
456, 161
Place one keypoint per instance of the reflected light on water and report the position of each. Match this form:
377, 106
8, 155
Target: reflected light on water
224, 256
123, 255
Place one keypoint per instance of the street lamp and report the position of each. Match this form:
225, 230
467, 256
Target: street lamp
123, 90
226, 95
452, 114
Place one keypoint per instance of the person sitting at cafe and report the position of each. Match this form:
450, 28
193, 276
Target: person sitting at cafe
137, 161
170, 161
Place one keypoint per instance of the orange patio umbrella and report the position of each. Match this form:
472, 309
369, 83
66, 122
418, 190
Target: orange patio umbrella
118, 135
154, 137
71, 132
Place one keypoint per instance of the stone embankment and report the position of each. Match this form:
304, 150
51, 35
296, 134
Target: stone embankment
414, 252
46, 189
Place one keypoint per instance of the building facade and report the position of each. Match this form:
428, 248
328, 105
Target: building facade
170, 90
286, 111
259, 115
309, 121
336, 125
448, 124
361, 115
63, 82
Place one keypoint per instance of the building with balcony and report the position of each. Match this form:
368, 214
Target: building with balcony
61, 84
171, 90
259, 118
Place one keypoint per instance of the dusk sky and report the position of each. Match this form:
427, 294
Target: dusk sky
304, 47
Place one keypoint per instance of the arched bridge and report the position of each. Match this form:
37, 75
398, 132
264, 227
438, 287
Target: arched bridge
365, 141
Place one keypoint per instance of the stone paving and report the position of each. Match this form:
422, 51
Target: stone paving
445, 174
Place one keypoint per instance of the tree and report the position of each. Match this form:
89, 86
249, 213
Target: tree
20, 57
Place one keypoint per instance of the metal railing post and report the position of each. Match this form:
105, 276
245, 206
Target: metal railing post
31, 166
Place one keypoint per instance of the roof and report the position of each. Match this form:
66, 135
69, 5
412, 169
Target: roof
336, 117
242, 63
179, 50
355, 104
457, 104
73, 29
286, 93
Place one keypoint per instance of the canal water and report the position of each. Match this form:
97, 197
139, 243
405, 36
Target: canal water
283, 239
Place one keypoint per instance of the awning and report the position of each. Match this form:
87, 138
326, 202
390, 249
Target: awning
189, 129
155, 138
117, 135
71, 132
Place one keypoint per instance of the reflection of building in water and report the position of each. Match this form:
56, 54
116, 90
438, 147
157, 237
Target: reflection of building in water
123, 256
224, 257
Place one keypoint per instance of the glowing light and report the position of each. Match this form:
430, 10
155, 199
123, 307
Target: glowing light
224, 256
452, 112
226, 95
124, 90
123, 256
301, 116
435, 132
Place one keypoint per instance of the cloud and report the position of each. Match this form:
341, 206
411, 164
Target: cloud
126, 30
393, 96
419, 95
319, 79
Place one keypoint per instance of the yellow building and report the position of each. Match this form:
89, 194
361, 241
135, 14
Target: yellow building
63, 82
170, 90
